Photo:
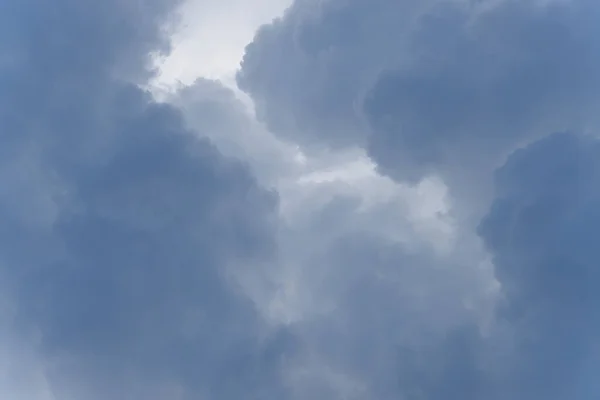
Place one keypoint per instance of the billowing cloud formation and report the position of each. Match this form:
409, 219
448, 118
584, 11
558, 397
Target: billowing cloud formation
307, 71
396, 325
367, 278
481, 85
120, 228
446, 87
541, 232
453, 88
138, 262
214, 111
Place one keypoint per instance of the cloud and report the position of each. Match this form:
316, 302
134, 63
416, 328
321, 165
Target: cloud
367, 277
143, 257
438, 87
215, 112
481, 85
308, 70
396, 321
540, 231
396, 324
228, 25
371, 277
120, 227
365, 288
449, 88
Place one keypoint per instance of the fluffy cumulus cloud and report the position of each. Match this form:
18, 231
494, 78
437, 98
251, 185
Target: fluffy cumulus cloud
368, 278
215, 112
308, 71
120, 228
481, 84
453, 89
541, 230
318, 248
446, 87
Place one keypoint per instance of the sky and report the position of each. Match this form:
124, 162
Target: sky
299, 199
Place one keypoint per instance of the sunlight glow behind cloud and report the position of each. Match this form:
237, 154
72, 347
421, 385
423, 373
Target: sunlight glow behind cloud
211, 38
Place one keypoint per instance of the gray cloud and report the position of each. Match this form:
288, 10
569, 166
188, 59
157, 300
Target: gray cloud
453, 88
541, 231
129, 245
398, 326
380, 316
442, 87
481, 85
394, 321
215, 112
379, 305
119, 226
308, 71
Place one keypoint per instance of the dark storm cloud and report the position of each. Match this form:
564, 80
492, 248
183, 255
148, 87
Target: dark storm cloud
436, 87
307, 71
120, 228
399, 327
542, 232
454, 88
122, 231
481, 85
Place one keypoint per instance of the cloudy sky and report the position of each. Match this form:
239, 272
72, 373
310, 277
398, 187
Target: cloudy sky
299, 199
